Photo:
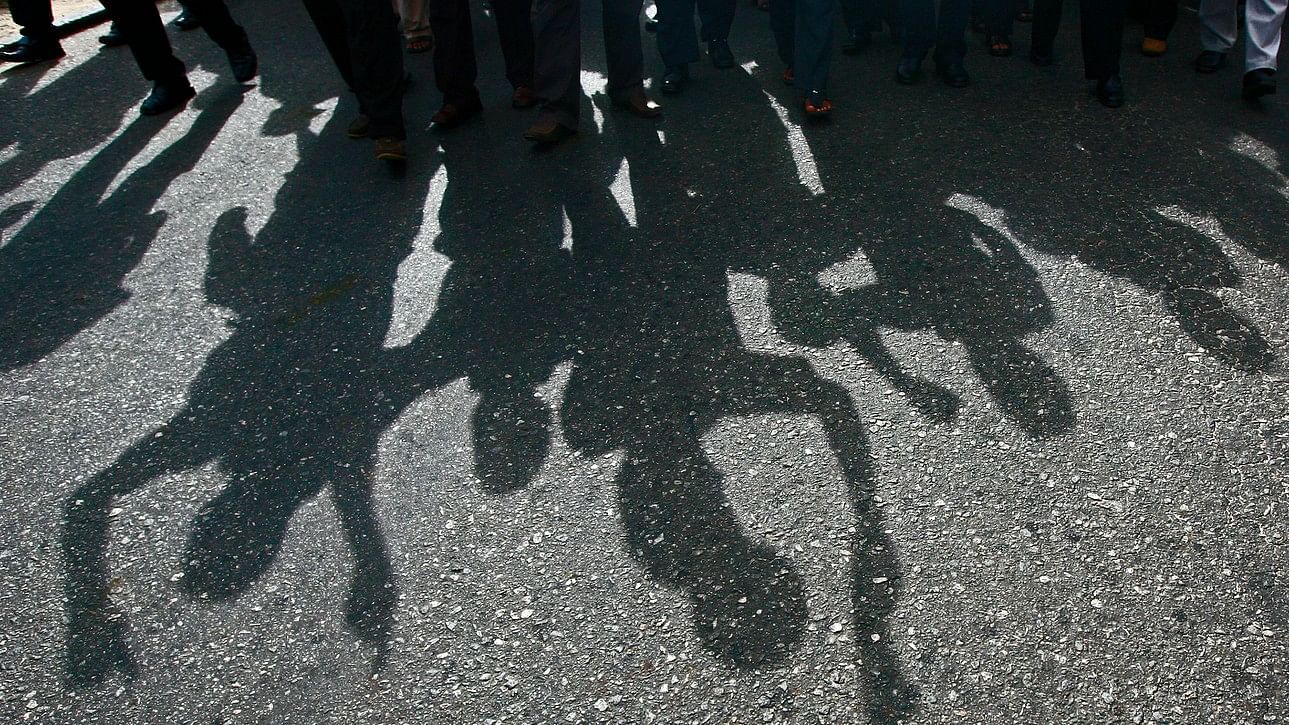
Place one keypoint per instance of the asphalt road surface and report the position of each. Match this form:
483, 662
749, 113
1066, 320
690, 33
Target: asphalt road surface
966, 406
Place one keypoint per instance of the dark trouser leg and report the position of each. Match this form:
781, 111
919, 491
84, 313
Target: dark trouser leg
362, 37
623, 48
1047, 20
1159, 17
1102, 26
557, 60
35, 18
455, 70
854, 15
676, 42
515, 30
717, 17
141, 24
330, 23
950, 43
377, 61
918, 19
814, 33
999, 16
218, 22
783, 21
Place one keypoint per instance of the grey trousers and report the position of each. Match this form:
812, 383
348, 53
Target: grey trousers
1262, 21
558, 54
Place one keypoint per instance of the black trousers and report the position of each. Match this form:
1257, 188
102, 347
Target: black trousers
1158, 16
997, 16
363, 39
945, 30
676, 42
35, 18
141, 24
803, 33
455, 69
557, 32
1101, 24
867, 16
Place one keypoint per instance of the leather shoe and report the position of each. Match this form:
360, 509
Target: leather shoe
358, 127
720, 53
243, 61
908, 71
953, 74
1041, 59
548, 131
33, 51
523, 97
167, 96
1110, 92
675, 79
1258, 83
639, 104
455, 113
113, 37
392, 149
187, 20
1210, 61
856, 42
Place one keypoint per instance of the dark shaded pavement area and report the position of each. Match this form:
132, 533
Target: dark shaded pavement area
966, 406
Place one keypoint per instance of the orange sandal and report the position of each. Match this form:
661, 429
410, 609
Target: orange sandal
788, 77
421, 44
817, 105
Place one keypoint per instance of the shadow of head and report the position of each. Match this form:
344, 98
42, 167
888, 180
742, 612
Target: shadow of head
1225, 334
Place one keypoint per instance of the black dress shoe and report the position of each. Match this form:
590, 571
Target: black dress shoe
1259, 82
167, 96
243, 61
1110, 92
720, 53
27, 50
1210, 61
187, 20
908, 71
113, 37
675, 79
856, 42
953, 74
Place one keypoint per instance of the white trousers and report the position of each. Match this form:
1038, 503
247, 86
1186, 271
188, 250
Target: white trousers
1262, 21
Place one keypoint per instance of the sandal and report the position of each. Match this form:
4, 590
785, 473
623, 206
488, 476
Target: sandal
788, 77
999, 46
816, 105
420, 44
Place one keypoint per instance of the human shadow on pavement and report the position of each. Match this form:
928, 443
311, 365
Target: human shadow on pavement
291, 404
1132, 206
63, 269
662, 363
61, 120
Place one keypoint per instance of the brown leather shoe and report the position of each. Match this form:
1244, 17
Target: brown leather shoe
523, 98
453, 113
639, 104
358, 127
548, 131
389, 148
